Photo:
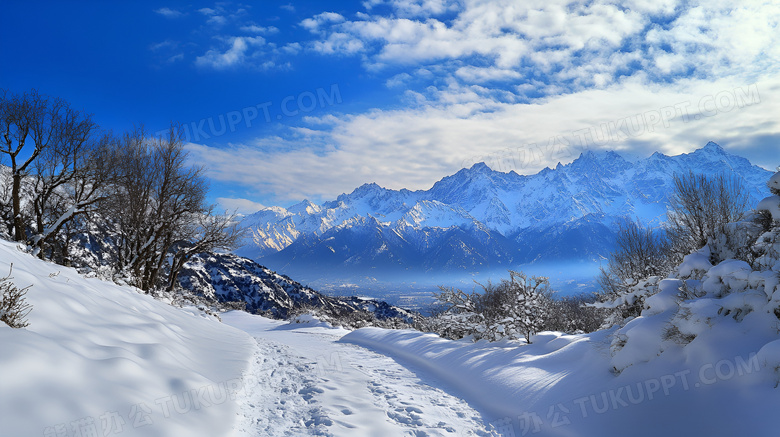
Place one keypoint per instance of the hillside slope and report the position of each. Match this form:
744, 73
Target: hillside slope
230, 278
102, 358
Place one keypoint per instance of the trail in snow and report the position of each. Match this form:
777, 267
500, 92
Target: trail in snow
302, 382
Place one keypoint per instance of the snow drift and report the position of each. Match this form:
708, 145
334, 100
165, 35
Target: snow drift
101, 359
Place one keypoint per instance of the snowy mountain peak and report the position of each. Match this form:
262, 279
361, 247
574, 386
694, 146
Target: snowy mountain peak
600, 156
712, 153
432, 213
270, 213
304, 207
365, 191
368, 188
713, 147
595, 161
480, 167
476, 170
565, 212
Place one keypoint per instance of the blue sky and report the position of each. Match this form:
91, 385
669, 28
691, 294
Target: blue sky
283, 101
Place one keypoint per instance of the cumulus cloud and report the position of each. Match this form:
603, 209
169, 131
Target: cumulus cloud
415, 8
521, 85
414, 147
254, 28
573, 45
169, 13
398, 80
473, 74
315, 23
234, 55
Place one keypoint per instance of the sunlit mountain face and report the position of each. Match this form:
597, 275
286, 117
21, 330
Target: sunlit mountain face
479, 222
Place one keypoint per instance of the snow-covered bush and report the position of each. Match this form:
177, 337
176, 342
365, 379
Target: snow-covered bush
13, 306
459, 316
346, 318
515, 308
641, 255
702, 209
574, 314
718, 288
700, 206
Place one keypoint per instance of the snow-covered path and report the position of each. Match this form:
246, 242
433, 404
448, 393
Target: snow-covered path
303, 382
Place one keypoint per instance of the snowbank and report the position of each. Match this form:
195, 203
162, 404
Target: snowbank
100, 359
561, 385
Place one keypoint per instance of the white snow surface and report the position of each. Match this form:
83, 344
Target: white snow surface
771, 204
99, 358
561, 385
310, 383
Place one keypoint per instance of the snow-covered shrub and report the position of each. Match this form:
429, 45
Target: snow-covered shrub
348, 318
460, 317
522, 306
574, 314
700, 206
707, 295
515, 308
13, 306
641, 256
703, 210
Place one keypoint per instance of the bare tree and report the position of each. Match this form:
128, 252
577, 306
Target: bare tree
640, 252
159, 210
56, 164
25, 118
205, 232
701, 206
68, 179
156, 194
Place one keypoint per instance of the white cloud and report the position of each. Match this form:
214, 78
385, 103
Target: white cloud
412, 148
314, 23
242, 206
236, 53
175, 58
291, 48
169, 13
288, 7
217, 20
164, 45
472, 74
416, 8
253, 28
496, 76
398, 80
338, 43
574, 44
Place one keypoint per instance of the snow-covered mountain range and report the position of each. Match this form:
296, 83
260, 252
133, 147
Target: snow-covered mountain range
230, 278
480, 219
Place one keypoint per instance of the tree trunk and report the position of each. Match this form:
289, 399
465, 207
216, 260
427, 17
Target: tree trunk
177, 265
19, 234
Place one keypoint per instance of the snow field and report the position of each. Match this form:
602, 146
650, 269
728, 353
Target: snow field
100, 359
342, 389
561, 385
